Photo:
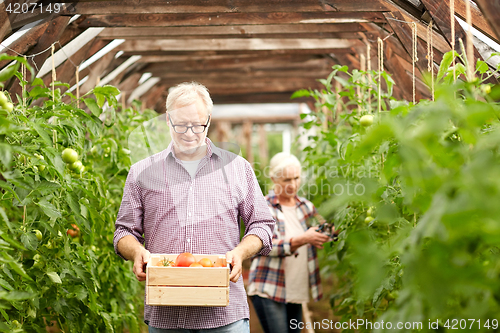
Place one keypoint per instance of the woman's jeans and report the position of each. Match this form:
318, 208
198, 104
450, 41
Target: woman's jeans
240, 326
276, 317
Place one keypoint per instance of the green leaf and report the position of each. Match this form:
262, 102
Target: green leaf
17, 296
38, 128
5, 154
29, 240
38, 82
49, 209
108, 322
107, 90
5, 284
301, 93
54, 277
93, 107
445, 65
16, 266
9, 72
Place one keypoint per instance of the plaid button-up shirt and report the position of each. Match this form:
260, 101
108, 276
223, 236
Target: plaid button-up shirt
267, 274
170, 212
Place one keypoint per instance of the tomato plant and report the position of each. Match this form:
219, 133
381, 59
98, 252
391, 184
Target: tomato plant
411, 196
47, 278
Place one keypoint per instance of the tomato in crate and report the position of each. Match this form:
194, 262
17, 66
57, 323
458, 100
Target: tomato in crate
170, 283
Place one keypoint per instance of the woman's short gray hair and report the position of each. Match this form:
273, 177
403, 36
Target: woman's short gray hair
281, 161
186, 93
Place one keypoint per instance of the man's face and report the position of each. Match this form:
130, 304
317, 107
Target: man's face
189, 115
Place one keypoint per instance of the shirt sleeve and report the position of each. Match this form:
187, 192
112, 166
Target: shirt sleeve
129, 218
255, 213
281, 248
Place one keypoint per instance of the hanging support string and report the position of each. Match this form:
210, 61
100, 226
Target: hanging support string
452, 24
470, 45
380, 70
430, 57
368, 69
414, 55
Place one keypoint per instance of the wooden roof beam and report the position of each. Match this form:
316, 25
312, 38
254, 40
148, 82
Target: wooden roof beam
218, 19
441, 15
220, 6
236, 30
231, 44
491, 10
403, 32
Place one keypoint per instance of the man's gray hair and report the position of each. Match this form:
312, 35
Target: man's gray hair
186, 93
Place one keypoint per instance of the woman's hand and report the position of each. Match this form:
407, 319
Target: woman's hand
315, 238
311, 236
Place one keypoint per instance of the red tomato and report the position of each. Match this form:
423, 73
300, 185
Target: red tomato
184, 259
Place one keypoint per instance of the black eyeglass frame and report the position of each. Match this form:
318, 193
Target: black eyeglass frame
188, 127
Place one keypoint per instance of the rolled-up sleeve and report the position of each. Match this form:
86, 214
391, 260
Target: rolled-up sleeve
255, 213
129, 220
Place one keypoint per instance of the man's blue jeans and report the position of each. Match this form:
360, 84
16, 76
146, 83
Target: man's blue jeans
275, 317
240, 326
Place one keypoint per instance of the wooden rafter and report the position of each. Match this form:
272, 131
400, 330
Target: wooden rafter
222, 6
217, 19
233, 30
491, 10
441, 15
404, 32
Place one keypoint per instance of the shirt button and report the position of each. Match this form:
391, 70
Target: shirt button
188, 240
189, 214
190, 188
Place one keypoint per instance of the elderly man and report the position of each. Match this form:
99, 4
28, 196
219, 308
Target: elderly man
190, 198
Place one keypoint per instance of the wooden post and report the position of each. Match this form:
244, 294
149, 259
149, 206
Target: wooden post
247, 137
263, 148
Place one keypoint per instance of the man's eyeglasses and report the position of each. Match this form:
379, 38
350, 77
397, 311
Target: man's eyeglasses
181, 129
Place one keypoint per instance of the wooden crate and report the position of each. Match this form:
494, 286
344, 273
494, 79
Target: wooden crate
187, 286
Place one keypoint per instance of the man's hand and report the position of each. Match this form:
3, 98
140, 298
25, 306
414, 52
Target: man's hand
249, 246
131, 249
235, 260
140, 260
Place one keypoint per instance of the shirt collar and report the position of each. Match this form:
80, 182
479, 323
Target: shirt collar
273, 199
211, 149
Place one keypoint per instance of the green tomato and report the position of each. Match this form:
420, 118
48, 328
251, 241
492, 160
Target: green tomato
49, 245
38, 234
76, 165
93, 150
366, 120
3, 99
69, 155
368, 219
9, 107
486, 88
41, 167
369, 212
16, 324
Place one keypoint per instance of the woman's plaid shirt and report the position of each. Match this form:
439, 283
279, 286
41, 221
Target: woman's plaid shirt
267, 274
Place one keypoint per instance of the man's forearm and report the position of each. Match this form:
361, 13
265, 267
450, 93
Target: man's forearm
128, 247
249, 246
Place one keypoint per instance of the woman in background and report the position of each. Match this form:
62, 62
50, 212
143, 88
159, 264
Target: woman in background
280, 283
